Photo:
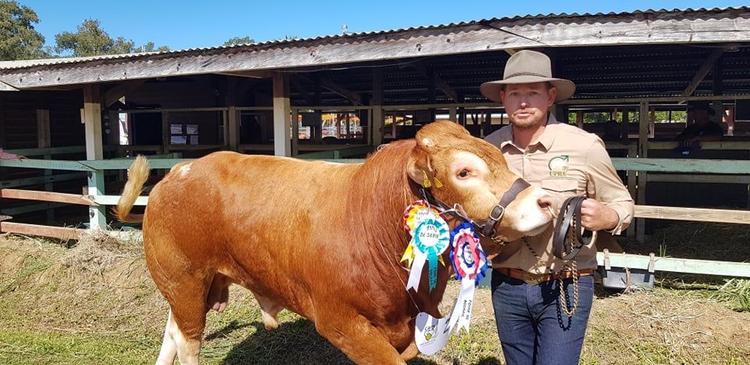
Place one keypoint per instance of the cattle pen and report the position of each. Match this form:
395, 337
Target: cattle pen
86, 295
79, 120
96, 203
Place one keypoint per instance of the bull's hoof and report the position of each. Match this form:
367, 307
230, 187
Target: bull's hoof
270, 322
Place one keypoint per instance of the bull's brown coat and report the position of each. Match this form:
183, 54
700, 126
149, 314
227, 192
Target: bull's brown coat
317, 238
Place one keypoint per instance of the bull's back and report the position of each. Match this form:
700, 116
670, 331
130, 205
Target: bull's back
255, 218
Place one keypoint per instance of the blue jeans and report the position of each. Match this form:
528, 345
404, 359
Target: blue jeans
531, 327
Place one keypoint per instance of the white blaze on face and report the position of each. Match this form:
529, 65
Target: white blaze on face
531, 219
524, 215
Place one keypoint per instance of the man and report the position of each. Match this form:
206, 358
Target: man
535, 323
701, 126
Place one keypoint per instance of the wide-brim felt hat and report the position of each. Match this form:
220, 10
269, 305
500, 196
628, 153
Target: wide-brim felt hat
525, 67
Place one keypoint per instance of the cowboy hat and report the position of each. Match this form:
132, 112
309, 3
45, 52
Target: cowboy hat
525, 67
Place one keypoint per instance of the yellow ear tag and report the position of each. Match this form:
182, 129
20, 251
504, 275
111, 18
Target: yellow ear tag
438, 184
426, 181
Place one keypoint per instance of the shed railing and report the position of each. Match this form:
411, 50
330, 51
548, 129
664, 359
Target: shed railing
638, 167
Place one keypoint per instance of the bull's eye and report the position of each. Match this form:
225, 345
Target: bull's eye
464, 173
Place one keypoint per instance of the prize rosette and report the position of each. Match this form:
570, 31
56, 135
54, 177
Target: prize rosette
470, 264
416, 213
467, 257
430, 237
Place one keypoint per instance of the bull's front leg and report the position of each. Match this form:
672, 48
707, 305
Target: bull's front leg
358, 339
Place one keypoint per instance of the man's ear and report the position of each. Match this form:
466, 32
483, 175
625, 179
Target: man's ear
552, 96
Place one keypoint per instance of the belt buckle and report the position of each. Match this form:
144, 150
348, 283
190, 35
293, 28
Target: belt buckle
535, 279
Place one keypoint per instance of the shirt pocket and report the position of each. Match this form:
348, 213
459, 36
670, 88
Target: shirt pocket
561, 187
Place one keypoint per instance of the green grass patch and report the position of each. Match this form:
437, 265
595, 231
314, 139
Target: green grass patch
736, 292
27, 347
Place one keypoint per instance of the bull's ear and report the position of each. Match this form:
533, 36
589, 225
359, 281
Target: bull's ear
426, 143
417, 165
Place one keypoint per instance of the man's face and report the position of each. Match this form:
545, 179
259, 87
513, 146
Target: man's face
527, 104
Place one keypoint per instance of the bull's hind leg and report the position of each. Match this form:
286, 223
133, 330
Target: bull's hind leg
168, 350
268, 310
184, 331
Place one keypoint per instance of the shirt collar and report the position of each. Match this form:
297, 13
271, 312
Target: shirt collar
545, 139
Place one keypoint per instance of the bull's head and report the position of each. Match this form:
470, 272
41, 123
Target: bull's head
460, 169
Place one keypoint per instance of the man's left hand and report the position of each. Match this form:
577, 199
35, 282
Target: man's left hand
596, 216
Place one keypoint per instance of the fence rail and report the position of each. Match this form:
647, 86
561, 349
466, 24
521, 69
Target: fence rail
740, 169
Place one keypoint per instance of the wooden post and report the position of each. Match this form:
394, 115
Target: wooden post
166, 133
113, 137
281, 115
44, 141
92, 114
643, 128
2, 123
295, 132
231, 120
632, 153
233, 126
378, 121
452, 114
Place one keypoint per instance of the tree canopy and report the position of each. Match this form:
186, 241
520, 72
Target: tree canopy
18, 38
239, 40
91, 40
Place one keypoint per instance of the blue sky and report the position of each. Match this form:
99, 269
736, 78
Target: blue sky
187, 23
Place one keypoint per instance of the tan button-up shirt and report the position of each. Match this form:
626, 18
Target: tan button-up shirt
564, 161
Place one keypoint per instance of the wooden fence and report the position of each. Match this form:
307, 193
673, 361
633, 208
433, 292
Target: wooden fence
638, 170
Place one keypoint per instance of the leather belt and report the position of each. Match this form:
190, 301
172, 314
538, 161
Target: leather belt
530, 278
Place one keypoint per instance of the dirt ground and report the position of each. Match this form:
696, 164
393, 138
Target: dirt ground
95, 303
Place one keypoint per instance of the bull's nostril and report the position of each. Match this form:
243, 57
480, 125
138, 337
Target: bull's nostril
544, 202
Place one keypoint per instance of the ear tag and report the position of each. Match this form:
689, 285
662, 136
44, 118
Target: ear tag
438, 184
426, 181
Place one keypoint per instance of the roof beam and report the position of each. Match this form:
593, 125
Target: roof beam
705, 68
116, 92
306, 94
329, 84
6, 87
437, 81
249, 74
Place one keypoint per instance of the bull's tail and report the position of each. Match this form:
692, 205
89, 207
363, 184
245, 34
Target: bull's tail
137, 176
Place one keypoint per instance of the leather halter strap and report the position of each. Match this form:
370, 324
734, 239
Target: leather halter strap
569, 218
485, 227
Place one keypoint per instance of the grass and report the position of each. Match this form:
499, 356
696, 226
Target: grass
736, 292
94, 303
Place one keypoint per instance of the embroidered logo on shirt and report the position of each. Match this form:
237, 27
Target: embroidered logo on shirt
558, 166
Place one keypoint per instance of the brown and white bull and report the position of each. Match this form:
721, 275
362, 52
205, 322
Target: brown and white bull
320, 239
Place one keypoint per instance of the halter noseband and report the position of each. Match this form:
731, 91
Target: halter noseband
485, 227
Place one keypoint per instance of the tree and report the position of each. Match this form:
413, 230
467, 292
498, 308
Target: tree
150, 47
92, 40
239, 40
18, 38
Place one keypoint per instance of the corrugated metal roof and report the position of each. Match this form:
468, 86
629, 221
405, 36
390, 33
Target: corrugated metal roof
8, 65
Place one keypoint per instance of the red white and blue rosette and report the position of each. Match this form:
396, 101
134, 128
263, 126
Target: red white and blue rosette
467, 257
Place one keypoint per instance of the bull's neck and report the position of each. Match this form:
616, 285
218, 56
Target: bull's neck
381, 192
